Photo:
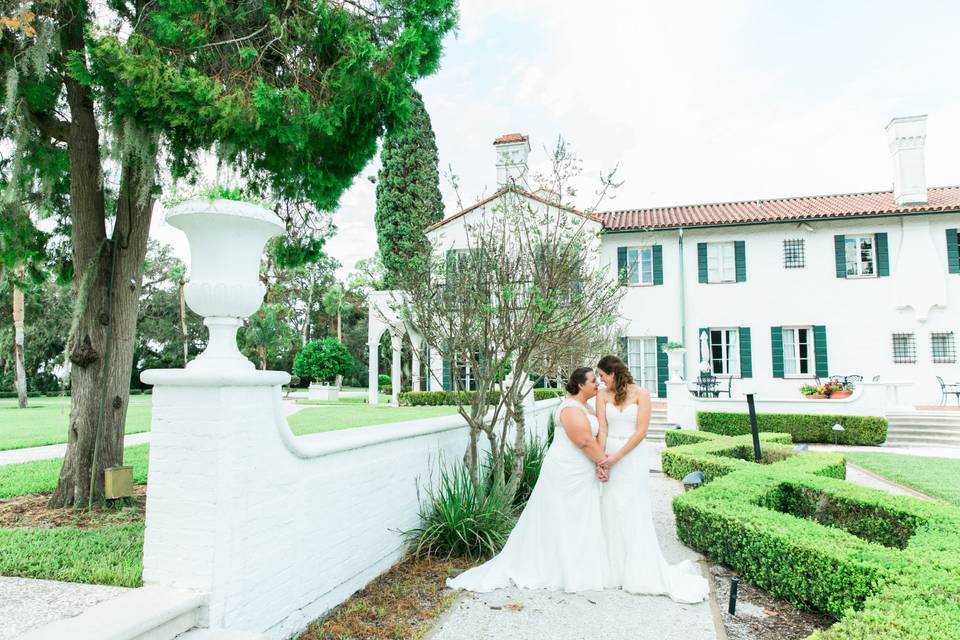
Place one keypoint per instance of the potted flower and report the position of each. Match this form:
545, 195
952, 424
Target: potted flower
321, 361
674, 351
842, 390
813, 392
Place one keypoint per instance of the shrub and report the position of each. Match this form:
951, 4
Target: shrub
323, 360
383, 381
546, 394
458, 520
529, 471
858, 430
440, 398
887, 566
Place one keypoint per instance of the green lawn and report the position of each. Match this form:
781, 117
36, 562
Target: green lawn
348, 415
45, 421
41, 476
937, 477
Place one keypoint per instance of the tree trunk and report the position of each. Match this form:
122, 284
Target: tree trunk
101, 372
305, 335
262, 353
519, 449
20, 379
183, 321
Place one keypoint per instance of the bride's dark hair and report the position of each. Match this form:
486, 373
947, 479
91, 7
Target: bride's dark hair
622, 378
577, 378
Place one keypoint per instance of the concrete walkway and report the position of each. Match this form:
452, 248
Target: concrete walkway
29, 454
861, 476
521, 614
26, 604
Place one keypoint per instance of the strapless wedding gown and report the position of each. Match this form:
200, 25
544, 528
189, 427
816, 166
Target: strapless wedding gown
636, 563
557, 542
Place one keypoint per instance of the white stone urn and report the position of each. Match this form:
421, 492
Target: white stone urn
227, 238
318, 391
675, 363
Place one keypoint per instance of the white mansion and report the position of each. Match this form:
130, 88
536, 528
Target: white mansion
773, 293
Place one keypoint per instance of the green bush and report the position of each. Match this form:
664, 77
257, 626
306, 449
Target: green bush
858, 430
441, 398
529, 470
323, 360
887, 566
458, 520
546, 394
383, 381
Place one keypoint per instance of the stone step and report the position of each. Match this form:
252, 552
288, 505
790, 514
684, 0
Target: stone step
921, 440
147, 613
914, 430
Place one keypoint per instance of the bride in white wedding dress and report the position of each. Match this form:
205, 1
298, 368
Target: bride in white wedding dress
636, 562
557, 542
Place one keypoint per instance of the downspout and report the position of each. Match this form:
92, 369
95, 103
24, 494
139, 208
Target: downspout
683, 304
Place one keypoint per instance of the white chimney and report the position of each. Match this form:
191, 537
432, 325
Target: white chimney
512, 152
906, 137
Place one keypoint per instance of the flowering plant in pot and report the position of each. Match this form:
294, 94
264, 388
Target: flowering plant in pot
813, 392
842, 390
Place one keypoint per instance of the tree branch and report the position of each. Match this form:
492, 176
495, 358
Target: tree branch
51, 127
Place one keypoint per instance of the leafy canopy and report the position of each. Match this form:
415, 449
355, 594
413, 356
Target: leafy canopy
323, 360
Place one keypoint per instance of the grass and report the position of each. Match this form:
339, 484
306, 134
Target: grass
937, 477
348, 415
103, 555
40, 476
110, 554
45, 421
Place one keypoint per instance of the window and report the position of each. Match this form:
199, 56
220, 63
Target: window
640, 265
642, 359
943, 347
465, 377
904, 348
721, 262
860, 255
724, 351
793, 254
798, 351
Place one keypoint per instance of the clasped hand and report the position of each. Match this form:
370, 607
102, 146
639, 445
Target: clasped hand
603, 469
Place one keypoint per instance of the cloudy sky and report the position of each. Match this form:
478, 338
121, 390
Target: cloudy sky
696, 101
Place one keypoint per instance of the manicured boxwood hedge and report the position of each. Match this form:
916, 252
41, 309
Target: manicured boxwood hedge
449, 398
859, 430
886, 566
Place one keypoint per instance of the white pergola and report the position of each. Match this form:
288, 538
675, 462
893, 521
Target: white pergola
383, 317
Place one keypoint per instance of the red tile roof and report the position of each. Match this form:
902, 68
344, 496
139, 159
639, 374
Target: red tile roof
780, 209
511, 137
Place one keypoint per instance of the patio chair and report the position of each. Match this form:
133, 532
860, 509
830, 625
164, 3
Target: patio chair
721, 391
948, 390
876, 378
854, 378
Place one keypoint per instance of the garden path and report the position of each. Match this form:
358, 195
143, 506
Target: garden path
26, 604
28, 454
859, 475
523, 614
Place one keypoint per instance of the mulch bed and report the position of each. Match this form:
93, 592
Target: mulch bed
760, 616
401, 604
31, 511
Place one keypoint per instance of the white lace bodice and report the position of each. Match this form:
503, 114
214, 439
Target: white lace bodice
621, 424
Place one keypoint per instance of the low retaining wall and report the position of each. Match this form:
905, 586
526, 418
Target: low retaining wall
279, 529
868, 399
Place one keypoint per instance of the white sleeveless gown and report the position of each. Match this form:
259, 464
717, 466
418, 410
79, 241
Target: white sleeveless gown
558, 541
636, 563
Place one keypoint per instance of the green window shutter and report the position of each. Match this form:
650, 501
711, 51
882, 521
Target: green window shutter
839, 246
883, 255
746, 353
662, 371
776, 350
622, 264
820, 350
447, 383
623, 349
953, 251
657, 264
702, 261
740, 256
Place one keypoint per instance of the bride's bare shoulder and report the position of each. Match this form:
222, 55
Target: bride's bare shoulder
639, 393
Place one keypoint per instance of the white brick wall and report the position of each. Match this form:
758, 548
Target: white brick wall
280, 529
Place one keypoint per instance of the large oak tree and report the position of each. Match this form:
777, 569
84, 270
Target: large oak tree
293, 94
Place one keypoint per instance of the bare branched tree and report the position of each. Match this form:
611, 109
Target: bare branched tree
523, 296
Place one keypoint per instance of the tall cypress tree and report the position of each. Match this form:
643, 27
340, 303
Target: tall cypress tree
408, 193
